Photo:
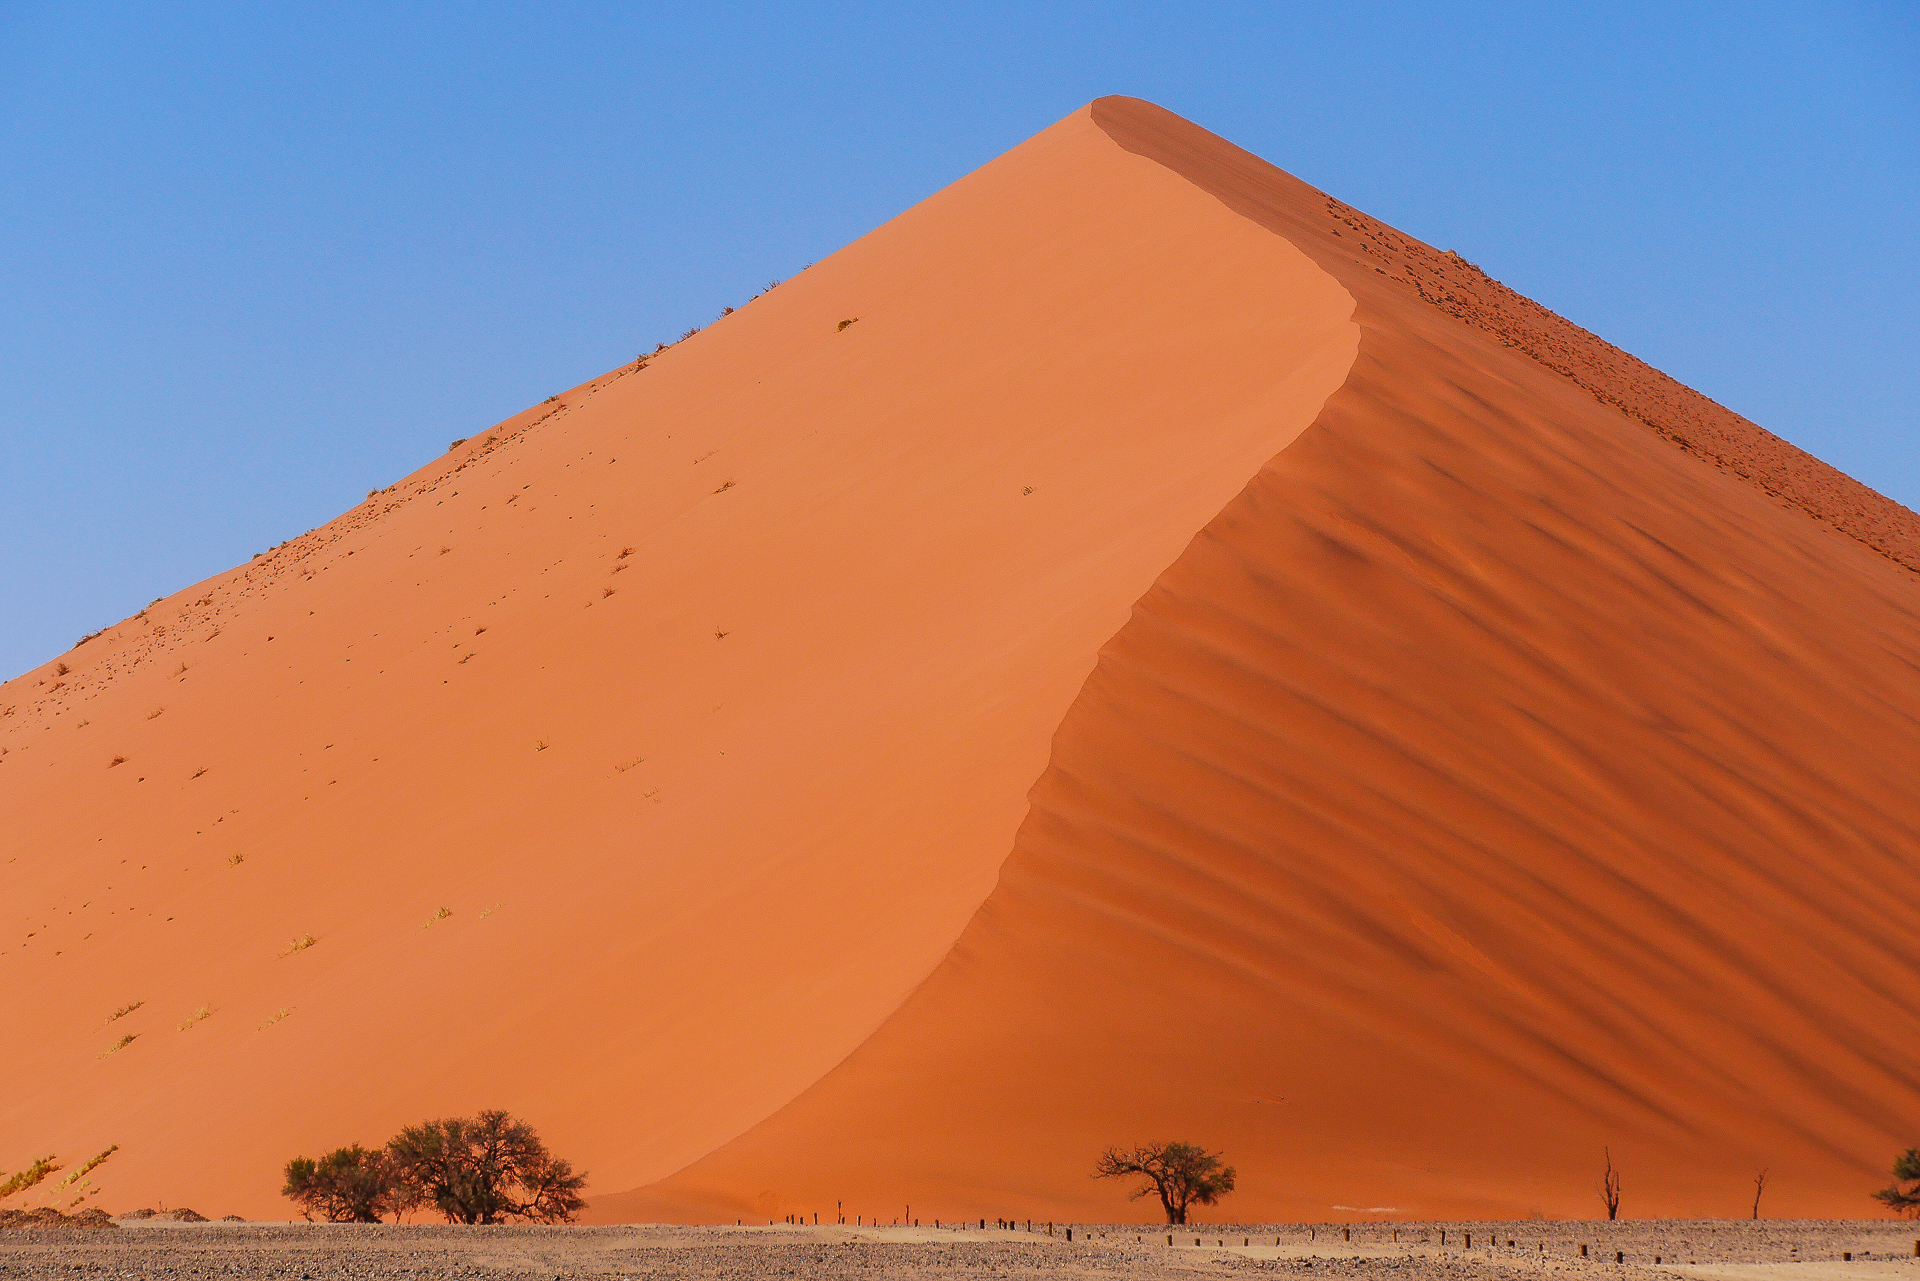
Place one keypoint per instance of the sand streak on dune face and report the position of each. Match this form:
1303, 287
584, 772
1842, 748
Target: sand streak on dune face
1490, 782
697, 837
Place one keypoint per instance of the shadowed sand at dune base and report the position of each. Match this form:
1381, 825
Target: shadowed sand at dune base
1769, 1250
1132, 649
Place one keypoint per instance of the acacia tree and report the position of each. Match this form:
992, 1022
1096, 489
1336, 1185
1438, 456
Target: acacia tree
485, 1169
1903, 1195
1181, 1173
347, 1185
1610, 1187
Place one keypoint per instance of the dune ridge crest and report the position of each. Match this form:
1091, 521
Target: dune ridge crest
1678, 413
1098, 659
627, 766
1489, 784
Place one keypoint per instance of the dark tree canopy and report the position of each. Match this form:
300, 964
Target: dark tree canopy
482, 1169
1903, 1196
347, 1185
486, 1169
1181, 1173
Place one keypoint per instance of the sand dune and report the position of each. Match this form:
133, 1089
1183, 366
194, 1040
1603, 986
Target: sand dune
1186, 660
1489, 784
699, 836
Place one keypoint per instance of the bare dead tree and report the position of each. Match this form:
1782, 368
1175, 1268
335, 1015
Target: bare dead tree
1759, 1186
1610, 1187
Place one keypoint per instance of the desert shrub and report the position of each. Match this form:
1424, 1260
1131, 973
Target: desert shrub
39, 1169
347, 1185
87, 1168
486, 1169
1181, 1173
1903, 1195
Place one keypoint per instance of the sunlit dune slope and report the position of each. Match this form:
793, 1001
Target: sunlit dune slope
1492, 783
627, 767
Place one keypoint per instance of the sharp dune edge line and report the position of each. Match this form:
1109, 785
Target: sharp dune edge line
1490, 783
1675, 411
628, 766
1417, 773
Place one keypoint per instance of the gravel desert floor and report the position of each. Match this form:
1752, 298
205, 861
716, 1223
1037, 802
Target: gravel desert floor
1766, 1250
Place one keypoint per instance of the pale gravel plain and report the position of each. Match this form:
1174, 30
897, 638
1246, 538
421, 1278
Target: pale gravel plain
1722, 1250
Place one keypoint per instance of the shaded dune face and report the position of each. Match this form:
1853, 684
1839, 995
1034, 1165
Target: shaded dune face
629, 766
1489, 784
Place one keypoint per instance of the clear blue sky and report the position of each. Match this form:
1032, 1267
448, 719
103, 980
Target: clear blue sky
257, 259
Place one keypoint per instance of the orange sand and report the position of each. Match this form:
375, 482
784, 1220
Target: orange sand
1473, 781
736, 854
